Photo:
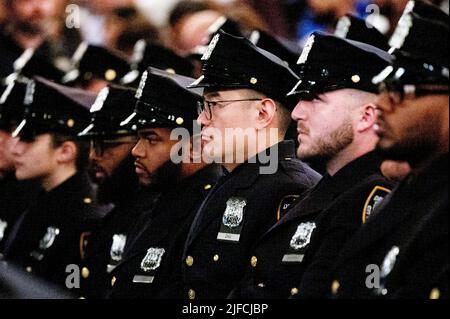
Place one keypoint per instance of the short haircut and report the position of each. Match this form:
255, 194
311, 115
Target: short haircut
83, 148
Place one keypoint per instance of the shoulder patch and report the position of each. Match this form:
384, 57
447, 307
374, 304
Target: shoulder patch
375, 198
286, 204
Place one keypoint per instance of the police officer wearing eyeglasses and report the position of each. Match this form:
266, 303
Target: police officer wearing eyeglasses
403, 251
335, 116
245, 91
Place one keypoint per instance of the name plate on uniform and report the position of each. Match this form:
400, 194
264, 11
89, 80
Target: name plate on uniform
139, 279
228, 237
293, 258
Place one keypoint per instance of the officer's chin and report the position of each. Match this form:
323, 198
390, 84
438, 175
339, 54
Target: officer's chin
22, 174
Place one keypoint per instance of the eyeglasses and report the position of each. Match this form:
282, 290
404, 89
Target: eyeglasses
100, 146
207, 106
399, 92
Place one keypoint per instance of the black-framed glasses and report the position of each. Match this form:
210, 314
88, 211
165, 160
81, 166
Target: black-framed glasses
100, 146
398, 92
207, 106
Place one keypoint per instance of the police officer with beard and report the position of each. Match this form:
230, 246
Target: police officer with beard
151, 263
403, 251
112, 167
335, 117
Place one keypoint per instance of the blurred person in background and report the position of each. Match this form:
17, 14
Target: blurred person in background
125, 26
27, 24
190, 22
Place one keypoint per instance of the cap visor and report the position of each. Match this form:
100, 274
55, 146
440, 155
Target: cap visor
88, 131
19, 129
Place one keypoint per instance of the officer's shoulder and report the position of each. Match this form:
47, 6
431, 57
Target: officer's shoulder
362, 198
297, 170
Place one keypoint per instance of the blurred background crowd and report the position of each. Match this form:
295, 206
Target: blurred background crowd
177, 24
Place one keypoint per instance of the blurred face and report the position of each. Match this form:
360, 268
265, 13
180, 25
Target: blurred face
324, 125
412, 127
192, 31
224, 122
107, 155
34, 159
6, 158
33, 16
152, 152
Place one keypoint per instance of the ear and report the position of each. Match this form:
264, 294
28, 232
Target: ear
67, 152
267, 110
367, 117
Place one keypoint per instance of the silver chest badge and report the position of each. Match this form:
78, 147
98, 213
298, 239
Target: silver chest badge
3, 226
302, 236
389, 261
118, 246
153, 259
234, 213
49, 238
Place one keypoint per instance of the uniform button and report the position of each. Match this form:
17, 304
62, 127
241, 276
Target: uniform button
110, 75
113, 281
208, 187
179, 121
70, 123
261, 285
85, 272
335, 287
189, 261
29, 269
435, 294
87, 200
216, 258
254, 261
294, 291
191, 294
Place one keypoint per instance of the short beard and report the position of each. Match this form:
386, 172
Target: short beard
328, 147
167, 176
415, 149
32, 29
121, 186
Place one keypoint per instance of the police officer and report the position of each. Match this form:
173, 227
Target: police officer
112, 168
46, 238
406, 243
151, 264
294, 257
15, 196
94, 67
245, 91
26, 30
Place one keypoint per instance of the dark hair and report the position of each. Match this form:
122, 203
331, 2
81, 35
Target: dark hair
83, 147
187, 7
